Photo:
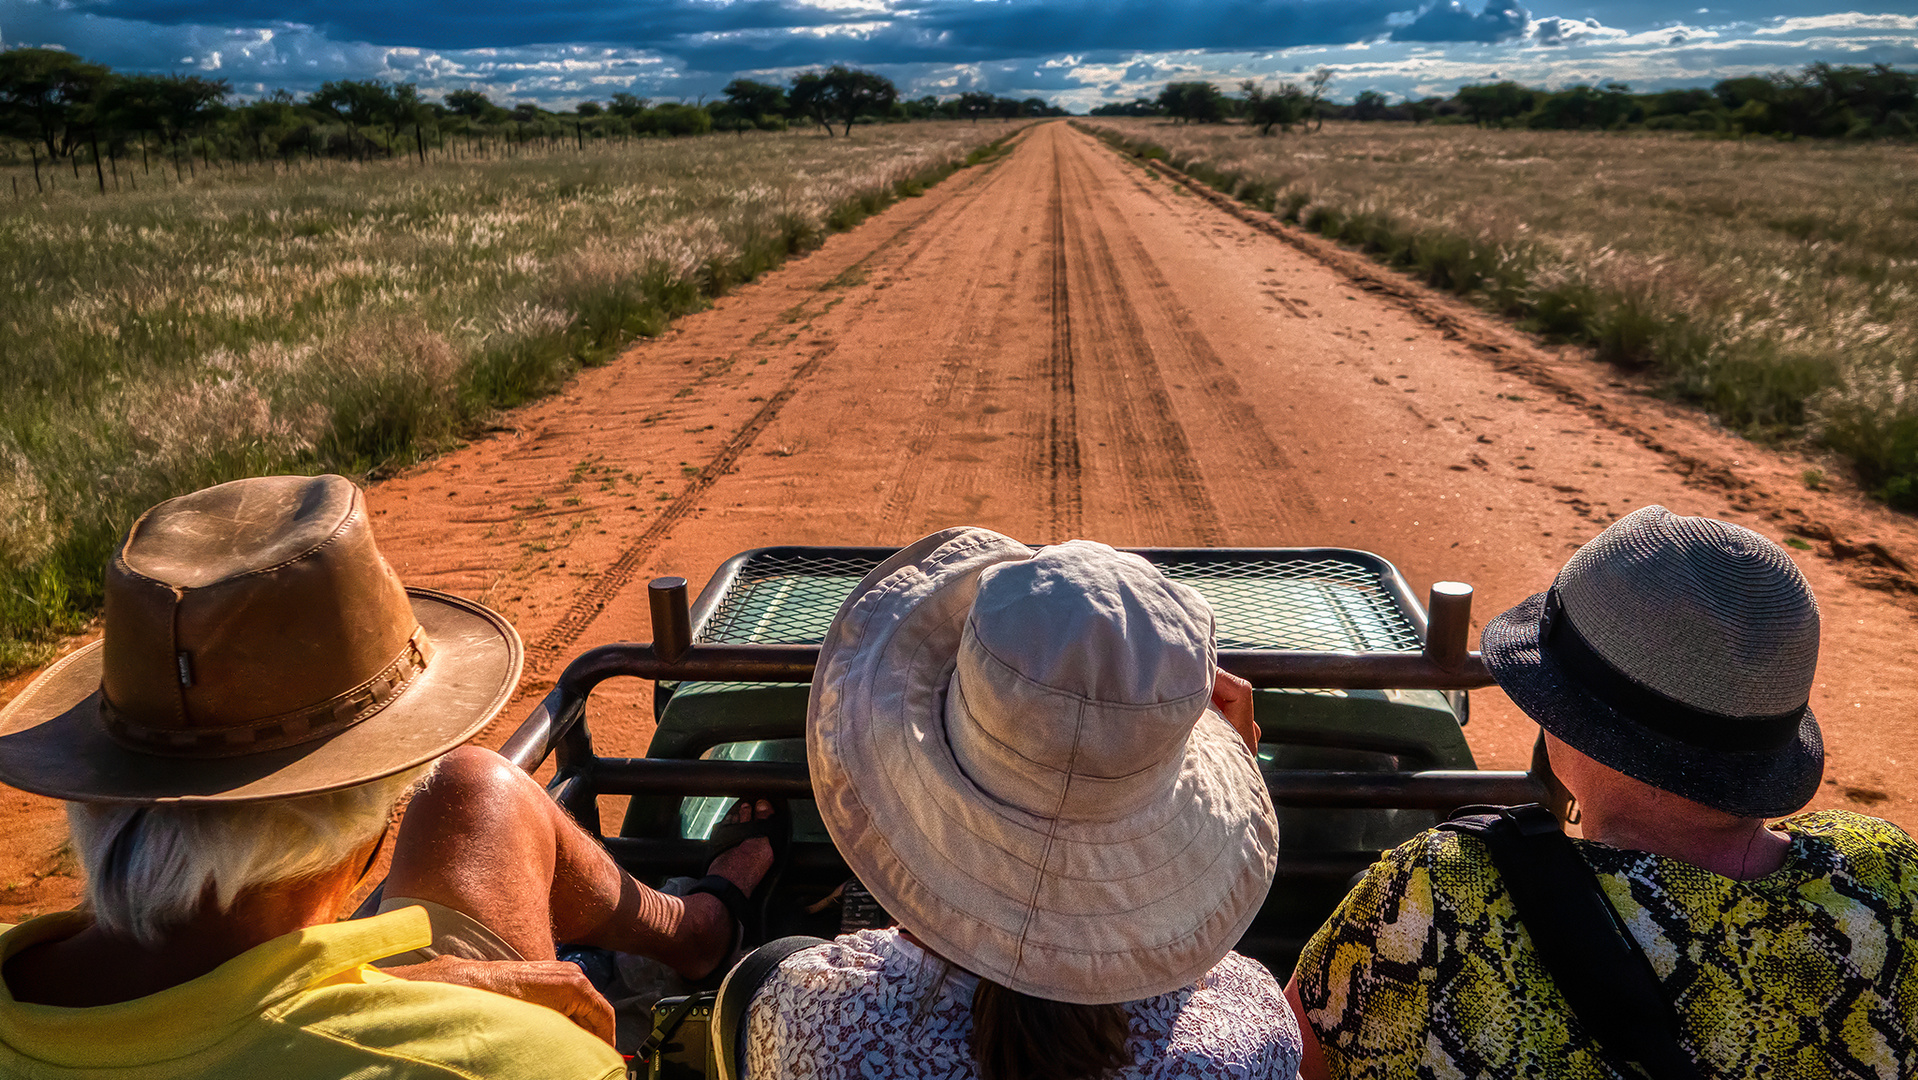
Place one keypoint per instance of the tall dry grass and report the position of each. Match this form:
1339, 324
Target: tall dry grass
1773, 283
344, 317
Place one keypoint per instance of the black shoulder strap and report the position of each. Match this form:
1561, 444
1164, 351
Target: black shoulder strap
1592, 957
736, 998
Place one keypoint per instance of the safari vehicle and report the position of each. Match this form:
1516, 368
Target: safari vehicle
1362, 694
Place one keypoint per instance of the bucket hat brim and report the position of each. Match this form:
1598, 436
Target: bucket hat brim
1750, 783
1074, 911
53, 742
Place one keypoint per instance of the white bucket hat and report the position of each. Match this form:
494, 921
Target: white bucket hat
1015, 752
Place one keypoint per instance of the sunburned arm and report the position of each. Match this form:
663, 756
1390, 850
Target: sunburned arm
1311, 1058
556, 984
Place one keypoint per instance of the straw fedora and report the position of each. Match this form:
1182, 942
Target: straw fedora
257, 647
1014, 751
1679, 651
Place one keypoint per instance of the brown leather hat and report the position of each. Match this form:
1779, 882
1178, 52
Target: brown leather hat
257, 647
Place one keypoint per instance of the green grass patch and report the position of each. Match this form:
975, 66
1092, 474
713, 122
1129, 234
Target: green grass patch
354, 318
1676, 275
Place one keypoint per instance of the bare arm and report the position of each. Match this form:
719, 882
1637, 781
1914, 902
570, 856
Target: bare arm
556, 984
1232, 696
1311, 1057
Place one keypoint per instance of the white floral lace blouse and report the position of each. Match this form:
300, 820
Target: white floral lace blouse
864, 1006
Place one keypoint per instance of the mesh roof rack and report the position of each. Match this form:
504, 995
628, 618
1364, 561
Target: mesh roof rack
1314, 599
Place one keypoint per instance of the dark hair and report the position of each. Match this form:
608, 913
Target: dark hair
1020, 1037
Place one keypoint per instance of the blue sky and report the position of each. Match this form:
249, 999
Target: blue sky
1076, 53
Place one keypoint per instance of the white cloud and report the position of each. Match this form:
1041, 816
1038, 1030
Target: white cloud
1850, 20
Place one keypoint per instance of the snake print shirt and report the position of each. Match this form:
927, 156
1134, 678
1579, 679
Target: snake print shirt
1807, 973
871, 1004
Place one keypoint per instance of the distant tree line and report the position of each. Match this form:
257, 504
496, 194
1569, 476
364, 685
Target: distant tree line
1821, 101
60, 108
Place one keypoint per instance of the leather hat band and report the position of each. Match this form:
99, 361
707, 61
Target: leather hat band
1560, 640
334, 715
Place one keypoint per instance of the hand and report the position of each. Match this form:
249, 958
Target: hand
1232, 696
556, 984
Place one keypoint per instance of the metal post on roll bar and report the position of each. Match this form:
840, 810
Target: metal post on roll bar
672, 619
1448, 624
1444, 663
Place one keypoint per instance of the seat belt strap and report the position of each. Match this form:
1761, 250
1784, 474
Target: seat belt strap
736, 993
1594, 960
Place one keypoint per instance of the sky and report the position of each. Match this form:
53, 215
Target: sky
1074, 53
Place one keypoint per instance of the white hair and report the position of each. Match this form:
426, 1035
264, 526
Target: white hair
152, 866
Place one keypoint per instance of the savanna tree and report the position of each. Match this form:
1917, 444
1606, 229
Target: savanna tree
1495, 104
841, 94
360, 103
755, 99
1195, 102
1280, 107
1369, 105
46, 94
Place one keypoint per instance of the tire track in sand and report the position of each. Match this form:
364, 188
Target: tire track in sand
592, 600
1158, 471
1067, 516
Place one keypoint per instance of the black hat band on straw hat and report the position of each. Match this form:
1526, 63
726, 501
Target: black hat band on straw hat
1559, 639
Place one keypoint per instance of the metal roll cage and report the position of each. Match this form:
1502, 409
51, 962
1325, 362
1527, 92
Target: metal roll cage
556, 726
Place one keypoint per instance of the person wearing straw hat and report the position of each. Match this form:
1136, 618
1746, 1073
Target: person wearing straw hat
1016, 752
1670, 665
265, 693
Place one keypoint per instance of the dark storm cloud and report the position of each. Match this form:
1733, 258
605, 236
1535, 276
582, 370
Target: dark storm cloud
714, 36
1449, 20
484, 23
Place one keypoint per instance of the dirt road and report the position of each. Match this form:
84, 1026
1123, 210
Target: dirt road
1065, 343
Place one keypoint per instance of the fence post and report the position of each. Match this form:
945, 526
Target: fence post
98, 173
34, 149
419, 139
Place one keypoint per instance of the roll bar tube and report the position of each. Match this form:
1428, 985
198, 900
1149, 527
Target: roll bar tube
554, 728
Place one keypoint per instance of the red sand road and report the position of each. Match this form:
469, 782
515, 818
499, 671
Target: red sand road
1063, 344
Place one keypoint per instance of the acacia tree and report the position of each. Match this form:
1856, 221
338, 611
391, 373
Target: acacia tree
46, 91
1194, 102
359, 103
755, 99
974, 104
1281, 107
843, 94
175, 106
1315, 100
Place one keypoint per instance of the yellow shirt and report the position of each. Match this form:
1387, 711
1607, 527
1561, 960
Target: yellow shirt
303, 1006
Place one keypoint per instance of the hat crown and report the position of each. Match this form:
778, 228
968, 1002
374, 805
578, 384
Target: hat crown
234, 608
1080, 674
1708, 613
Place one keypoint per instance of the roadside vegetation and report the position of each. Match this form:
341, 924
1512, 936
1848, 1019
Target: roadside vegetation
67, 124
1824, 101
1773, 283
351, 316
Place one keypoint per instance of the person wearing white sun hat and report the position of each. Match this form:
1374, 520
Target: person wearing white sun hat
1018, 753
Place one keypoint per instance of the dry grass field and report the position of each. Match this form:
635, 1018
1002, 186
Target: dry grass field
1773, 283
349, 317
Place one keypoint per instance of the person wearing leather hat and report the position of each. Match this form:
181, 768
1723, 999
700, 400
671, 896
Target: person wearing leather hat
1671, 666
265, 693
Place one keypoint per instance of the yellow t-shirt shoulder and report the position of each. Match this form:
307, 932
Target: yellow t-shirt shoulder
304, 1006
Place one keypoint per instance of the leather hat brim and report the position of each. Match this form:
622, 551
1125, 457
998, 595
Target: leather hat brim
52, 740
1751, 783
